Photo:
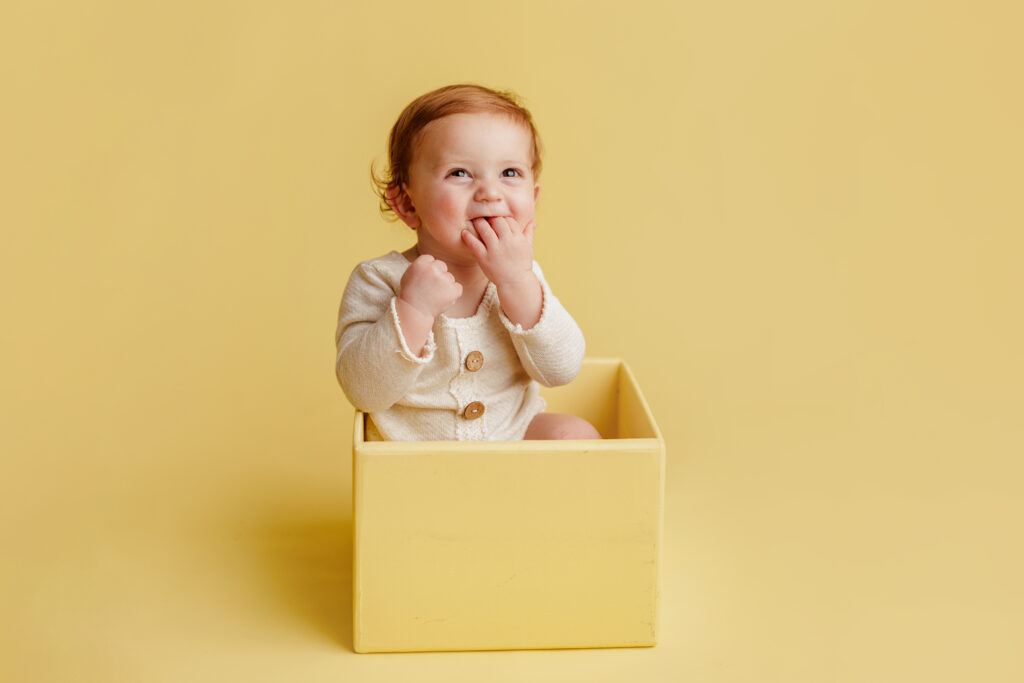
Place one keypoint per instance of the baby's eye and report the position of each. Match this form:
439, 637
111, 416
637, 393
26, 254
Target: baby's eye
459, 173
510, 173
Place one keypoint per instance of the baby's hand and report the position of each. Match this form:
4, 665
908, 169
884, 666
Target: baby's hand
428, 287
503, 249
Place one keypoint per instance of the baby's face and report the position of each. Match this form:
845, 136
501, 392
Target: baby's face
468, 166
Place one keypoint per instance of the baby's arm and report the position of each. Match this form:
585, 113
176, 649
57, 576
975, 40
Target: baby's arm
547, 340
375, 365
504, 251
552, 350
427, 290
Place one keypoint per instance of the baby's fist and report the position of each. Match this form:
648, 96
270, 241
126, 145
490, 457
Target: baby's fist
428, 287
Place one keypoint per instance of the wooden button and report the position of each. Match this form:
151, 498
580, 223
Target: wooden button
474, 361
473, 410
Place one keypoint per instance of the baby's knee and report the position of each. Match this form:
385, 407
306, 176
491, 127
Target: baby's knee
562, 427
577, 428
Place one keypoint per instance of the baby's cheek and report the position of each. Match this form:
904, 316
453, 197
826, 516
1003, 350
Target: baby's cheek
523, 212
453, 209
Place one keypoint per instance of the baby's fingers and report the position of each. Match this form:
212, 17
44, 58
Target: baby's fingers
475, 245
503, 226
485, 232
528, 231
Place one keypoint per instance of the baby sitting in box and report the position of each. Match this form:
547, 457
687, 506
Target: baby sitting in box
449, 339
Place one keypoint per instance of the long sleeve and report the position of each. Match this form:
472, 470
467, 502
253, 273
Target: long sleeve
552, 350
374, 365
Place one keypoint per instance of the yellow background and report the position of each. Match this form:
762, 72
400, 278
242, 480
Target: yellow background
799, 222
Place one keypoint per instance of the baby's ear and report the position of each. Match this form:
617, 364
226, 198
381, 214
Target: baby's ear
536, 192
401, 204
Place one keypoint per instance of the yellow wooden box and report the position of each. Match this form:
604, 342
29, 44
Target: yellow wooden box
507, 545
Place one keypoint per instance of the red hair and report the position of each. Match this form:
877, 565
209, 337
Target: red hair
451, 99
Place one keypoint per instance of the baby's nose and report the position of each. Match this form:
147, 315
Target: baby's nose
487, 191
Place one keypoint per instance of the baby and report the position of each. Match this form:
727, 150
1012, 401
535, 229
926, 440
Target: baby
449, 339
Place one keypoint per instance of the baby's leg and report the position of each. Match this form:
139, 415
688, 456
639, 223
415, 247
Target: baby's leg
560, 426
